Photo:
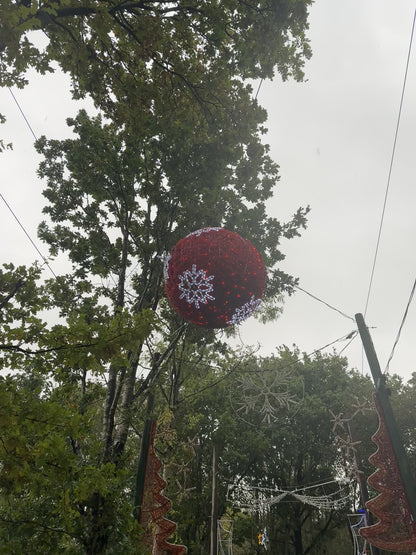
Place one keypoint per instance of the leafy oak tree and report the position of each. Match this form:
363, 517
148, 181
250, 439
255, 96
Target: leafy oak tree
321, 422
176, 145
272, 423
129, 55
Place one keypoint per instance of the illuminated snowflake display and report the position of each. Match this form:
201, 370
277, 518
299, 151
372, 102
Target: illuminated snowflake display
267, 393
196, 286
346, 444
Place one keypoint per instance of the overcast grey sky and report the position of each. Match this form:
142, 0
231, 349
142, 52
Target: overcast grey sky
332, 137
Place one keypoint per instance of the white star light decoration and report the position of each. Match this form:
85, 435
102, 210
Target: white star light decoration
196, 287
347, 446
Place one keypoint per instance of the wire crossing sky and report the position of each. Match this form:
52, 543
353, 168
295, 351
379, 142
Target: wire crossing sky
406, 312
391, 165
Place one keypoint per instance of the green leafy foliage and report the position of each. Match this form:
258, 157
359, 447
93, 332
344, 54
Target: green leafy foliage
174, 40
294, 450
51, 485
177, 145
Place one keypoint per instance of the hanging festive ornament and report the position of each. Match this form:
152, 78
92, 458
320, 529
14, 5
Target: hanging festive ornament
214, 278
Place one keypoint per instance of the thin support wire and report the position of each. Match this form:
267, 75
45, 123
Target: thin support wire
23, 114
401, 326
27, 235
390, 168
325, 303
8, 205
258, 89
349, 343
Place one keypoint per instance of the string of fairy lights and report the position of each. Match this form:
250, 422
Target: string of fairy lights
259, 499
330, 306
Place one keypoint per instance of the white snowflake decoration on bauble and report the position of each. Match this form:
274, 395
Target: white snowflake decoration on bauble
245, 311
196, 287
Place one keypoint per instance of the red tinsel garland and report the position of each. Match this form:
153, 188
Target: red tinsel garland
395, 530
214, 278
154, 506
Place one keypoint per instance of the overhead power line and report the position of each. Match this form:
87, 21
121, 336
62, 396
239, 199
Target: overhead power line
8, 205
353, 335
325, 303
401, 326
258, 89
391, 167
27, 234
347, 337
23, 114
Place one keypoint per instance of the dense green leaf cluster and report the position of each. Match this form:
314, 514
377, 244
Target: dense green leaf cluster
173, 38
49, 475
299, 447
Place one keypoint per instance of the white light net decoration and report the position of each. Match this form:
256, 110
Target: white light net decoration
245, 311
267, 392
199, 232
258, 499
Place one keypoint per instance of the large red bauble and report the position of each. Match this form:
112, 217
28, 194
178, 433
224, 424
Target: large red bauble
214, 278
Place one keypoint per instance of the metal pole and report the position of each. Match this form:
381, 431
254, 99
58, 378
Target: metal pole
383, 396
214, 502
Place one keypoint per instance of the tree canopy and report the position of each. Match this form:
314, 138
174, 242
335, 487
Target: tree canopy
148, 65
176, 143
103, 44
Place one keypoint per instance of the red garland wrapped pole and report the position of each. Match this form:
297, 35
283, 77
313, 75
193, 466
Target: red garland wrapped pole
395, 530
151, 504
396, 504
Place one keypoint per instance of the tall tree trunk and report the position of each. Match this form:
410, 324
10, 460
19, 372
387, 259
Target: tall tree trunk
127, 397
115, 374
297, 531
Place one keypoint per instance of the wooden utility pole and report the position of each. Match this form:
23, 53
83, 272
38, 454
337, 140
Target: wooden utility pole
383, 396
214, 509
